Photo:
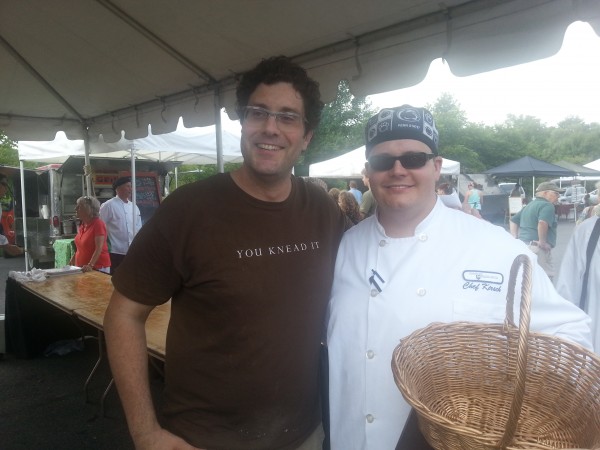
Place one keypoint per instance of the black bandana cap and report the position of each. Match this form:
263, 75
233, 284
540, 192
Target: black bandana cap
403, 122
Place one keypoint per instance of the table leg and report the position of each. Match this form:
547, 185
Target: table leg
100, 358
112, 381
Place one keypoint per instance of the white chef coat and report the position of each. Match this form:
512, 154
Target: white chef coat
570, 277
456, 267
117, 215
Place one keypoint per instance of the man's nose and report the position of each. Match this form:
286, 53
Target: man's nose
271, 125
398, 167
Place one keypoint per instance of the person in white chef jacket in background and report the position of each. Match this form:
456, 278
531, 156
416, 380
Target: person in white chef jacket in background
117, 213
570, 279
415, 262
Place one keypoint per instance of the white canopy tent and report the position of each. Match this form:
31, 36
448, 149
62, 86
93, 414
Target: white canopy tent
185, 145
349, 165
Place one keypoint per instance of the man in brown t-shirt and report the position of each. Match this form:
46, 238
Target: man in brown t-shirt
247, 259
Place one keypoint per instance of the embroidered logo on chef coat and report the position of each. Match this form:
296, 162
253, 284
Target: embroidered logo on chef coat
481, 279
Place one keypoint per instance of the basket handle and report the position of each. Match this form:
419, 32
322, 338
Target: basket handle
522, 345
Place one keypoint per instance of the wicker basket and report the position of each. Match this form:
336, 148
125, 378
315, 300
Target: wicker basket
496, 386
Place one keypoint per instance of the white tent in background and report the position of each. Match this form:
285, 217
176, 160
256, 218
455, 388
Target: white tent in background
593, 165
349, 165
186, 145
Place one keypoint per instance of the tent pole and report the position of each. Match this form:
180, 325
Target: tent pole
87, 170
176, 177
219, 131
133, 189
24, 212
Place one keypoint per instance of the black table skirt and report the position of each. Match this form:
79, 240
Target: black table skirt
31, 324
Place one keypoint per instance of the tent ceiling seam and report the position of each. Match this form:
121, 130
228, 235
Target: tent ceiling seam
38, 76
150, 36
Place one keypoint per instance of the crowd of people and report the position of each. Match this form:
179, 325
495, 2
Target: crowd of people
355, 205
286, 305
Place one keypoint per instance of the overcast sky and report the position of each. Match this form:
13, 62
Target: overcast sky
567, 84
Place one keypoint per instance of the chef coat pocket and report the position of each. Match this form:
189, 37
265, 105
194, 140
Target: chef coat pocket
485, 310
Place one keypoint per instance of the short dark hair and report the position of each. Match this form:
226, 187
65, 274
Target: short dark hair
279, 69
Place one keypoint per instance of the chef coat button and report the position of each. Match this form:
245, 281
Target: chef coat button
370, 418
421, 292
374, 292
422, 237
370, 354
382, 243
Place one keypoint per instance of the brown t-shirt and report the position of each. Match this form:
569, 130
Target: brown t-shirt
249, 281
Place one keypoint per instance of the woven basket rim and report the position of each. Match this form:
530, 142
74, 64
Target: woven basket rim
575, 354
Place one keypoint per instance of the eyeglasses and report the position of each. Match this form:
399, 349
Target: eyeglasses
256, 115
414, 160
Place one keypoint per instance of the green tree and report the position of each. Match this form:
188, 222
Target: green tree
526, 133
574, 141
459, 140
341, 129
9, 155
450, 121
469, 159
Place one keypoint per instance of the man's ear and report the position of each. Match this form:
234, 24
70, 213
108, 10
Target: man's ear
438, 167
307, 137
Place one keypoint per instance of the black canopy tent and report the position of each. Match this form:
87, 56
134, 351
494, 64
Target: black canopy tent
584, 174
580, 170
528, 166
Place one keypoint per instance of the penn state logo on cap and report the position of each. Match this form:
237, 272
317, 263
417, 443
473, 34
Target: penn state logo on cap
403, 122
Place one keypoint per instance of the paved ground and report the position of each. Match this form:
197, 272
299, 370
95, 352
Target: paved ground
43, 403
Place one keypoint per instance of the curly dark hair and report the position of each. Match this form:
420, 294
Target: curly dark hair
349, 206
281, 69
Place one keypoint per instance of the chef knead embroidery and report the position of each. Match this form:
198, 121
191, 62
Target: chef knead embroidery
482, 280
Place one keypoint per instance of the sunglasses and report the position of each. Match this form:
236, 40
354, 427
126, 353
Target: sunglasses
408, 160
